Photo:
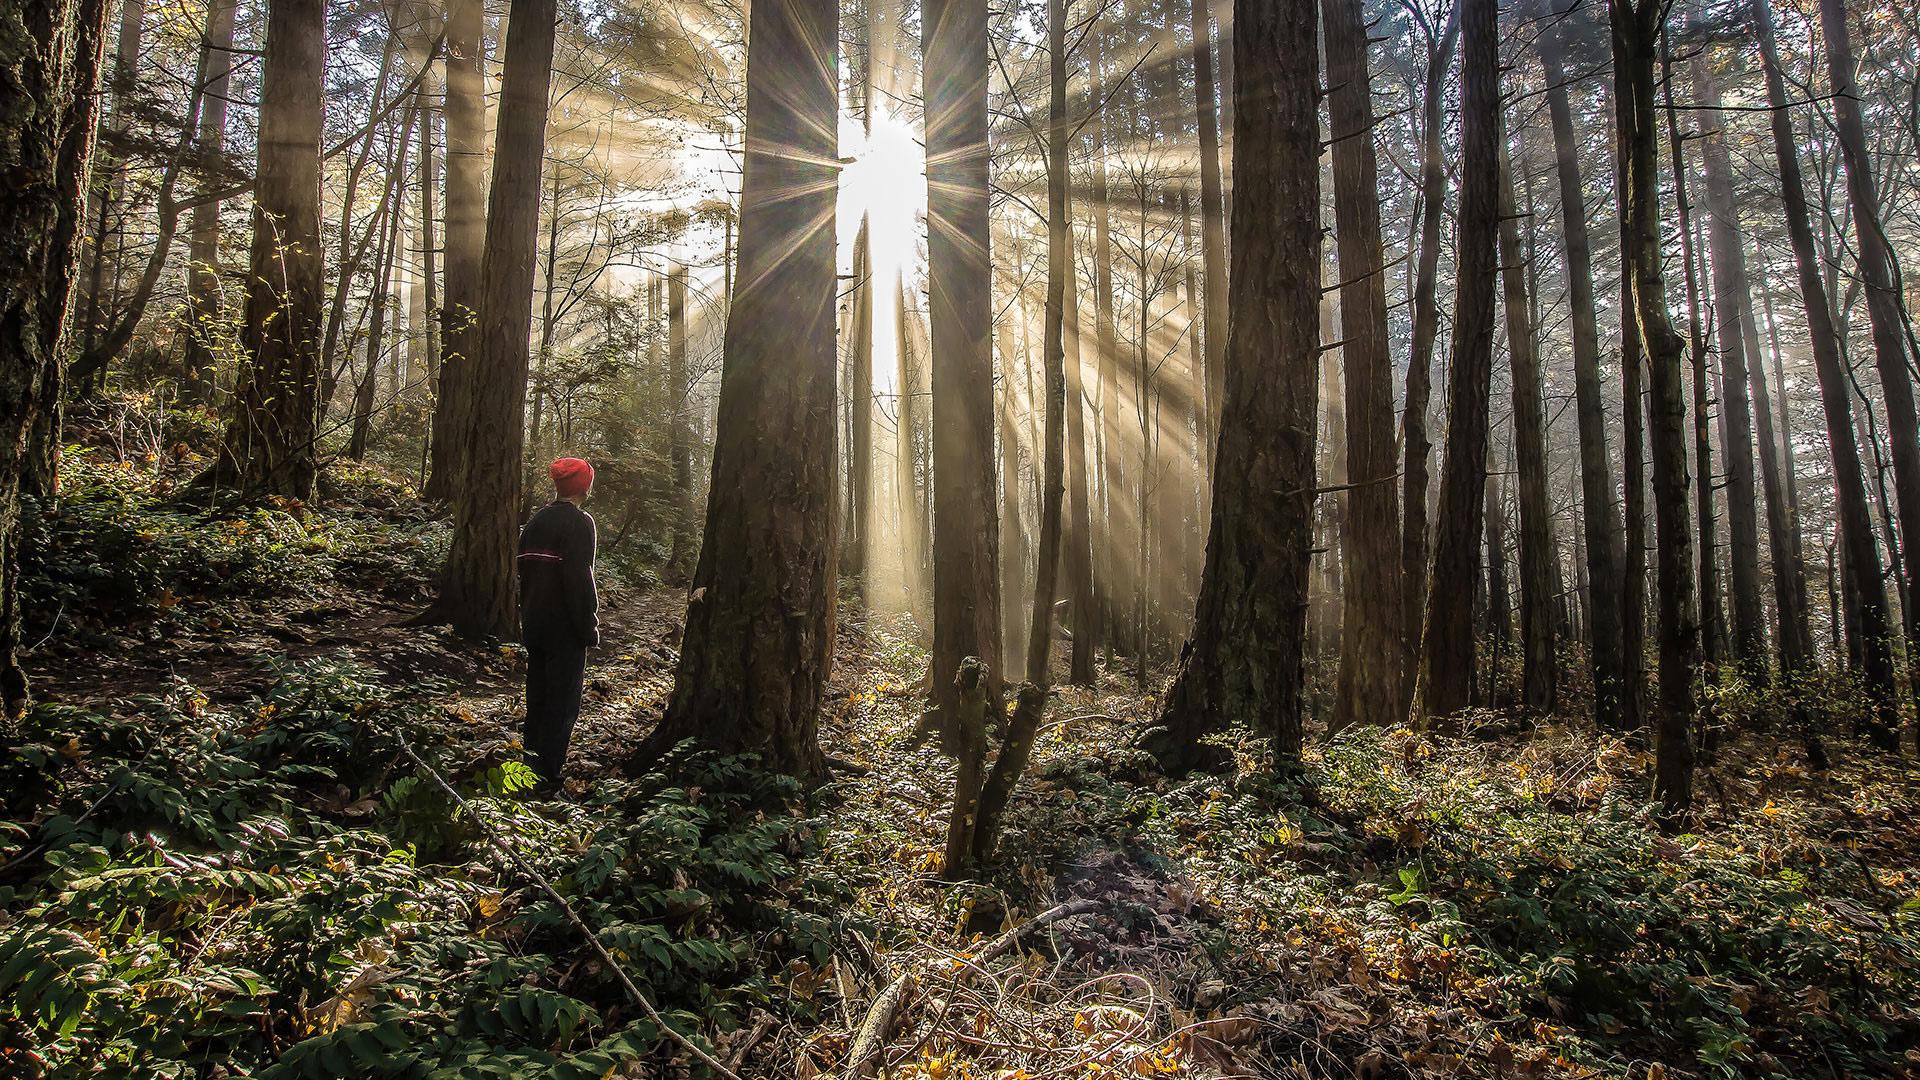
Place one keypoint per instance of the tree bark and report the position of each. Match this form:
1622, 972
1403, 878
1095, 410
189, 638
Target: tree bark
466, 123
109, 218
1861, 558
1636, 33
966, 584
680, 435
429, 327
1712, 614
756, 654
860, 404
853, 559
1111, 543
1213, 230
1370, 650
1244, 664
1879, 271
269, 446
1539, 570
1083, 605
1024, 725
1447, 643
203, 247
48, 103
1418, 449
1733, 313
477, 589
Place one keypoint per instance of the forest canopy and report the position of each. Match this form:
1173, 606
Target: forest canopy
1357, 538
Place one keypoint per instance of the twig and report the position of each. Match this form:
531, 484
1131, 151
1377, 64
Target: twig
573, 917
873, 1031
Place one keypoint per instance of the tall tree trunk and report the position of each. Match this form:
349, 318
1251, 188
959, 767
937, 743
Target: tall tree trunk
853, 559
48, 102
758, 645
354, 243
1024, 725
1213, 231
377, 301
1110, 544
1539, 560
1733, 314
912, 507
966, 584
203, 247
1013, 530
1713, 619
1414, 548
1861, 558
1245, 662
1370, 650
1446, 672
1884, 314
466, 122
680, 435
477, 590
429, 326
1636, 34
1083, 605
108, 216
1793, 632
386, 220
1499, 602
1196, 345
269, 446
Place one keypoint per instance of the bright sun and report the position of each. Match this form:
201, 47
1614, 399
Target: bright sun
887, 181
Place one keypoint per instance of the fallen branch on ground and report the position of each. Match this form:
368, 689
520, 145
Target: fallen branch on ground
873, 1030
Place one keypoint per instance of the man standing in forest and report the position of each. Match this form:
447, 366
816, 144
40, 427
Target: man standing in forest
559, 618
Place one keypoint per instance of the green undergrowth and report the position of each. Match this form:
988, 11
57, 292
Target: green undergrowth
1454, 906
274, 889
128, 547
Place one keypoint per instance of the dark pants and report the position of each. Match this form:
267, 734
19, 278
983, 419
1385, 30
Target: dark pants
554, 678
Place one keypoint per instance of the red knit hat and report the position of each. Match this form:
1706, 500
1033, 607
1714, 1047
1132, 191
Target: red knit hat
571, 476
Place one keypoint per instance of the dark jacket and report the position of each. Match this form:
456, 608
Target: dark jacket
558, 604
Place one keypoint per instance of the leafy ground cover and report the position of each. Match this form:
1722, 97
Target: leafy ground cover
220, 858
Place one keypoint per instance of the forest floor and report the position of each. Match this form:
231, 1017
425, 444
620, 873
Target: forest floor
222, 858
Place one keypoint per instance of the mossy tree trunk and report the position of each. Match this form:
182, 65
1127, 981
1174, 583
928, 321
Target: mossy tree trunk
47, 115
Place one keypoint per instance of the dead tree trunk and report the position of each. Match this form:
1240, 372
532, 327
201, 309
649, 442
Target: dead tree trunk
1245, 662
